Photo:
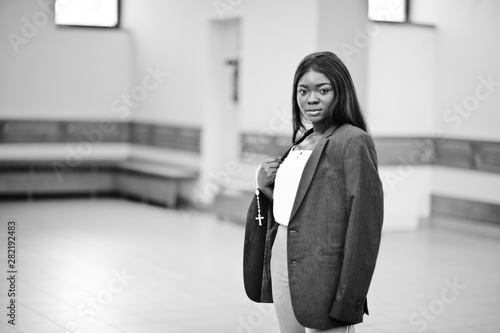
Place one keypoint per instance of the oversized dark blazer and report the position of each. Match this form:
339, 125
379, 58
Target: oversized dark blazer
334, 233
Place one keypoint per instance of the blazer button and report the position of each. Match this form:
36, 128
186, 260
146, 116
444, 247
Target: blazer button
294, 262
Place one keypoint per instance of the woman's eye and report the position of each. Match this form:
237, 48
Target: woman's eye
302, 92
324, 91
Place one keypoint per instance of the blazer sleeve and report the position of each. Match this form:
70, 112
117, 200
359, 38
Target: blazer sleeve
364, 198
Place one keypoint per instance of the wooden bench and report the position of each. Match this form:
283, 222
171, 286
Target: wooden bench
150, 181
148, 174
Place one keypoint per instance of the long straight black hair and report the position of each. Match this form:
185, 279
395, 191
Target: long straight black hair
345, 107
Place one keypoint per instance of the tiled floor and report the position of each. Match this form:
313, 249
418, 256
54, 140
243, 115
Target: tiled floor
115, 266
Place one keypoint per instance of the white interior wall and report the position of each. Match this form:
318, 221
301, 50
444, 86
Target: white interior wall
467, 50
342, 29
423, 12
220, 140
465, 106
171, 36
400, 100
276, 35
59, 73
466, 184
465, 57
406, 196
175, 35
401, 75
84, 69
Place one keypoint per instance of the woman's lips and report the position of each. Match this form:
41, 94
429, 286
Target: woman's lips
313, 112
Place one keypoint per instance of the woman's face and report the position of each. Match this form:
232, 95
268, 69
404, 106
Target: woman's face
315, 97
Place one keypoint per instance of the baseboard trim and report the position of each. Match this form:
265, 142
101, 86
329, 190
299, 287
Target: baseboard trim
463, 226
465, 209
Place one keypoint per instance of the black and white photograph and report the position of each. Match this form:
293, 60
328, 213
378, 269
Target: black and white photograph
249, 166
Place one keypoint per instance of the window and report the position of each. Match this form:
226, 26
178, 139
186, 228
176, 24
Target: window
388, 10
88, 13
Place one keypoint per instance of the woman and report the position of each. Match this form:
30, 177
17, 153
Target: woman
314, 226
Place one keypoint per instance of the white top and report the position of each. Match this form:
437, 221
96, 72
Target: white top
286, 184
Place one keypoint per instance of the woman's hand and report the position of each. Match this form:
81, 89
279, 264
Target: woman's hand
267, 173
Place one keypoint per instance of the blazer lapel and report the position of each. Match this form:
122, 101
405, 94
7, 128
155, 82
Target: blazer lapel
309, 170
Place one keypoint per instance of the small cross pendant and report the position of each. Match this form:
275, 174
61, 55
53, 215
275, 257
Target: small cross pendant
260, 219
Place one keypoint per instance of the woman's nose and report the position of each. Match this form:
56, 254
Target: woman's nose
313, 98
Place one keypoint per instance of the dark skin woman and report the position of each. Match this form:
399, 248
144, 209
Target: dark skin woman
322, 206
